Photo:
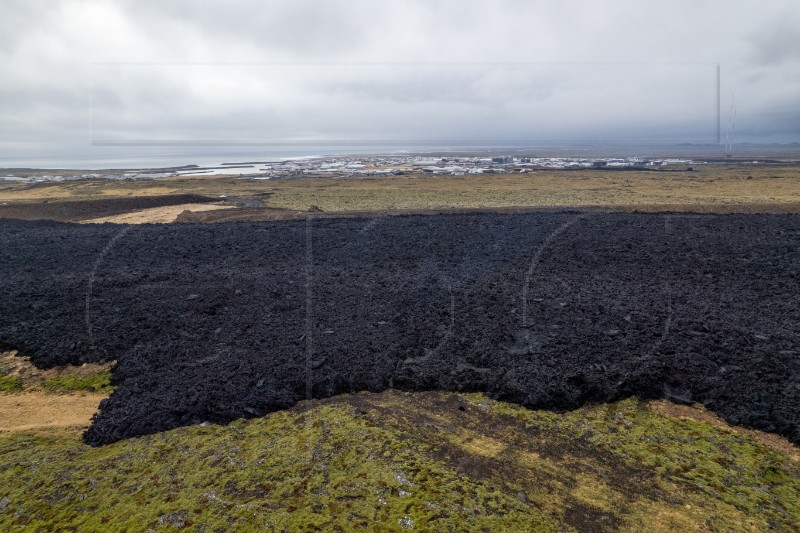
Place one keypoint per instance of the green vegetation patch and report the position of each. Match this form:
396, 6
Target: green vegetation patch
10, 383
723, 480
327, 468
401, 461
99, 382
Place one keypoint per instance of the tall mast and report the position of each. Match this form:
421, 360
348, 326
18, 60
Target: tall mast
718, 113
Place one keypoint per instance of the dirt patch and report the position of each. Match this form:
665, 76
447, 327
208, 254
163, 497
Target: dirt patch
158, 215
35, 407
547, 310
152, 190
38, 410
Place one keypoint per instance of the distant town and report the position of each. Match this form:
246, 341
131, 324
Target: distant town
347, 166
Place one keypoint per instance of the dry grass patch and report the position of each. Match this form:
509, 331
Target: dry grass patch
29, 411
156, 215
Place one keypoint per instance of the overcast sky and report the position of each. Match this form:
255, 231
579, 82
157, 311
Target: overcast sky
78, 74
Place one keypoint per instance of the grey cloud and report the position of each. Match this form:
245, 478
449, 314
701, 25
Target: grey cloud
780, 43
283, 69
21, 18
299, 26
773, 125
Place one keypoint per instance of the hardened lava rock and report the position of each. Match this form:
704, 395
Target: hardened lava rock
549, 310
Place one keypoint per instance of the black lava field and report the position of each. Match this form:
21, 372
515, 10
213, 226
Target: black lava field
549, 310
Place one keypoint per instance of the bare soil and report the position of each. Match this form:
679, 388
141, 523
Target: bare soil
34, 409
38, 411
158, 215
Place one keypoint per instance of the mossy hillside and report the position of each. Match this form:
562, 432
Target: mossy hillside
597, 465
393, 461
326, 468
724, 479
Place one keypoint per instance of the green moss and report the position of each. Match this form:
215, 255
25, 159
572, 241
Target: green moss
327, 468
741, 484
100, 382
10, 383
384, 462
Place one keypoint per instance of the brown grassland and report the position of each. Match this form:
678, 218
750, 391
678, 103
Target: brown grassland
709, 188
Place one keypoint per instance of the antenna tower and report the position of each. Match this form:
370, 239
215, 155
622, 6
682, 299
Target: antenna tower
731, 130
